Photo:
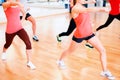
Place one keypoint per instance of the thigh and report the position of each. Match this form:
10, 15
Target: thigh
23, 35
73, 46
9, 39
94, 41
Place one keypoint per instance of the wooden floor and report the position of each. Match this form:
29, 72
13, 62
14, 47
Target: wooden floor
83, 64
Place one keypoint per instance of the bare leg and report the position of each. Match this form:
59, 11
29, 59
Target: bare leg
4, 50
71, 48
3, 56
97, 44
32, 20
28, 53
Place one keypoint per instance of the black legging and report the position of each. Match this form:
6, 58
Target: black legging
71, 27
109, 20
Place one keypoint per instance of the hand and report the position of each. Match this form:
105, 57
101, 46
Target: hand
107, 10
28, 9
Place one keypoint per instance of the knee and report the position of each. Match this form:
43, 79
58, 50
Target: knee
70, 50
28, 45
7, 46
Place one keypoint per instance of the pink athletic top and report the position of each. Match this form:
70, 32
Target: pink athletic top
83, 25
13, 19
115, 7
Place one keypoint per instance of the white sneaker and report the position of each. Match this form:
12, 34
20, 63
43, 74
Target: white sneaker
31, 65
3, 56
107, 74
61, 64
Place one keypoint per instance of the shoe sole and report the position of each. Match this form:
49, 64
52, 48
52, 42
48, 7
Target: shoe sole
31, 68
89, 46
35, 39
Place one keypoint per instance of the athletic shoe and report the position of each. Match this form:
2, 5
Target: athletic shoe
89, 46
61, 64
31, 65
107, 74
59, 39
35, 38
3, 56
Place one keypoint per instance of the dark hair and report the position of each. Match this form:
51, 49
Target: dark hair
74, 2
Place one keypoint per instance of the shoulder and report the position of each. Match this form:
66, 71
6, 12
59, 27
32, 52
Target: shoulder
78, 9
5, 5
75, 11
11, 3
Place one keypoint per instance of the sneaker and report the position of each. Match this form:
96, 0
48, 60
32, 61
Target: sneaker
3, 56
61, 64
107, 74
31, 65
89, 46
35, 38
59, 39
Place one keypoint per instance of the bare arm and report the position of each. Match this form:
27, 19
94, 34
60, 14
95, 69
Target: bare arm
23, 12
9, 4
89, 2
83, 2
96, 9
80, 9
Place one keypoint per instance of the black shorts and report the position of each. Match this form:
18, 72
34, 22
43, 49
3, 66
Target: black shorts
27, 15
79, 40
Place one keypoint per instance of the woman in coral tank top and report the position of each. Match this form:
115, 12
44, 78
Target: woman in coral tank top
84, 31
12, 10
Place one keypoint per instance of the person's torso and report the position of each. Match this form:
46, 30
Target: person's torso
115, 7
83, 25
13, 19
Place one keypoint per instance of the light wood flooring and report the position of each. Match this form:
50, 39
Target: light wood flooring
83, 64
